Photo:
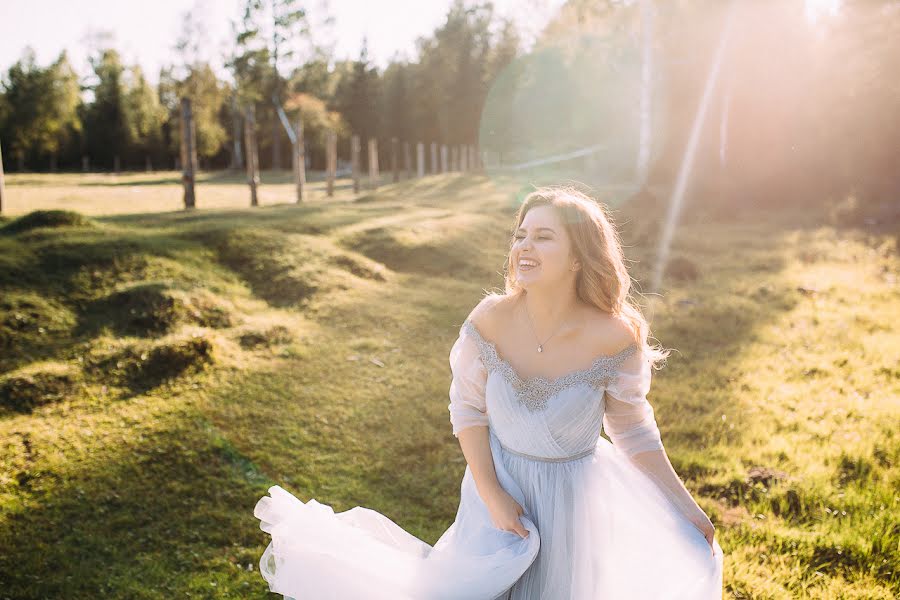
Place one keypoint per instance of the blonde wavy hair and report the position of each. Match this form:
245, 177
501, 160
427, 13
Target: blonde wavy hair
603, 280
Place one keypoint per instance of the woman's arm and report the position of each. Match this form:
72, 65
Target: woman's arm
656, 465
630, 422
503, 508
476, 448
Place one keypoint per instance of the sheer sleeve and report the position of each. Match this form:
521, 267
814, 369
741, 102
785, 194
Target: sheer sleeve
467, 388
629, 419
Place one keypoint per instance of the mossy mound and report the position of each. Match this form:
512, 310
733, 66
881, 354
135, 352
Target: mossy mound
30, 327
449, 245
25, 390
141, 367
287, 270
277, 334
366, 269
46, 218
154, 308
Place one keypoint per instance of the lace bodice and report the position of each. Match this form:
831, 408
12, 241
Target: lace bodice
552, 417
534, 392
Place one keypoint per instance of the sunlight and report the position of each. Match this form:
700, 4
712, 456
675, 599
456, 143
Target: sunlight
817, 8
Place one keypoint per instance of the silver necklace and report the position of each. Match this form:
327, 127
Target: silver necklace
540, 347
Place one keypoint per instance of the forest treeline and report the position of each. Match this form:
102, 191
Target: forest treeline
801, 107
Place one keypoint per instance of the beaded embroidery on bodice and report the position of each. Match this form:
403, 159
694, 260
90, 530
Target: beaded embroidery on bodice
535, 392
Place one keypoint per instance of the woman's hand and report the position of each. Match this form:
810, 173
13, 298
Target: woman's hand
505, 512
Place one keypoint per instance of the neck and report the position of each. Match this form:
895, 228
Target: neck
549, 310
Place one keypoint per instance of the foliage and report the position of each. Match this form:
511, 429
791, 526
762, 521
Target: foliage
40, 106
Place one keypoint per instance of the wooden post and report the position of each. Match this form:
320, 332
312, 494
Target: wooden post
444, 158
330, 161
85, 163
433, 158
394, 166
354, 162
148, 165
251, 157
117, 163
420, 159
299, 159
188, 154
1, 180
454, 158
407, 160
463, 158
373, 164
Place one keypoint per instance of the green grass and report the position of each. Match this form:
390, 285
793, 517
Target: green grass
160, 370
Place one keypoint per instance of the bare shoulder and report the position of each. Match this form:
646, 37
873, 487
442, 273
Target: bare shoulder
486, 313
608, 334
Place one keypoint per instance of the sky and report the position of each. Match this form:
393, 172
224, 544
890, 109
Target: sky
145, 32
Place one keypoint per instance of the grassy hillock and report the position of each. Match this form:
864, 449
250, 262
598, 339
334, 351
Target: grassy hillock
159, 371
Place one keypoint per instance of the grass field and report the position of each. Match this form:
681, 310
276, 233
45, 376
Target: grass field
161, 369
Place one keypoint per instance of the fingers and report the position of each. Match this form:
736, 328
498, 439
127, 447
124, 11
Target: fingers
520, 529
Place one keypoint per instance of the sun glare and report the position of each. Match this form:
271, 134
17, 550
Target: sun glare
819, 8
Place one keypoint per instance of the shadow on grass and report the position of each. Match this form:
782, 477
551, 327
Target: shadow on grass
155, 516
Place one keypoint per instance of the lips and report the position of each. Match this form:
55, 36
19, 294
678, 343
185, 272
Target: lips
527, 266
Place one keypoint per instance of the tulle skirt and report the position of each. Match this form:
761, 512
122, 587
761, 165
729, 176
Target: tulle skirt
599, 529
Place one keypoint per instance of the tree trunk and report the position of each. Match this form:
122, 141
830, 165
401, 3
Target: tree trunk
276, 146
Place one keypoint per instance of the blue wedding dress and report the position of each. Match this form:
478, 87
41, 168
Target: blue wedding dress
599, 527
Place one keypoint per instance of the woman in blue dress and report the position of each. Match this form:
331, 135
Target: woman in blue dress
549, 509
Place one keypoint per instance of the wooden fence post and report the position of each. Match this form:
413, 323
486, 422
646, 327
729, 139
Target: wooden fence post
373, 164
251, 157
433, 158
420, 159
394, 164
299, 159
454, 157
330, 161
407, 162
444, 158
354, 162
463, 158
188, 154
85, 163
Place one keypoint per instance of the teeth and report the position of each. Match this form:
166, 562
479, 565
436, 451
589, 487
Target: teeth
528, 263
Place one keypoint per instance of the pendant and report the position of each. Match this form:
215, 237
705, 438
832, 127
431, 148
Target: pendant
541, 348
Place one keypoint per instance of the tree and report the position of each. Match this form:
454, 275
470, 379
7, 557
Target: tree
106, 129
267, 36
358, 96
144, 118
192, 77
42, 104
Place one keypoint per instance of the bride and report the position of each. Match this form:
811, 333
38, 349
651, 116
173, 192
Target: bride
549, 509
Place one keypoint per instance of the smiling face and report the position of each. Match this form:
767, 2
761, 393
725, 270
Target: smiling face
542, 251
